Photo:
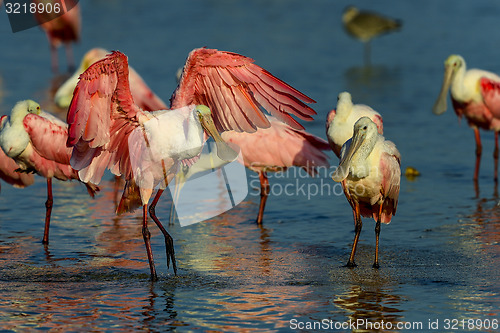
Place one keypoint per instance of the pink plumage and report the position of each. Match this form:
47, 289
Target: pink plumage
233, 86
370, 173
277, 148
475, 95
9, 174
36, 141
102, 114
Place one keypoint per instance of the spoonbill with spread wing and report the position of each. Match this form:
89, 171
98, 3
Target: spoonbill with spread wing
105, 124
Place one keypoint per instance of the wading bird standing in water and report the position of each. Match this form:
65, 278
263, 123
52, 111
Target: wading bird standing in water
36, 140
475, 94
366, 25
60, 29
370, 173
340, 122
102, 116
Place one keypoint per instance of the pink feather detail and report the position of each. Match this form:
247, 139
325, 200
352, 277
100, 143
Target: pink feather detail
48, 138
235, 89
10, 176
279, 147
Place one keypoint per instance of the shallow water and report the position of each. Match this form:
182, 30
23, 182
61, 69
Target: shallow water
439, 256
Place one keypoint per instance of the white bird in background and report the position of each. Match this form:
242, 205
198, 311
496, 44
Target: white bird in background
370, 173
143, 96
340, 122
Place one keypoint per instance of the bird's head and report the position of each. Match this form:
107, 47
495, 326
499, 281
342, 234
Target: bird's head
205, 117
23, 108
451, 66
356, 149
349, 13
344, 104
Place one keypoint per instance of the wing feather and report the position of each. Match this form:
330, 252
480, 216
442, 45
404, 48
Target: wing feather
236, 89
48, 138
101, 115
10, 176
490, 90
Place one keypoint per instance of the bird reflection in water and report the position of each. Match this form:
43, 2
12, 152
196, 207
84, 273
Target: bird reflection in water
370, 303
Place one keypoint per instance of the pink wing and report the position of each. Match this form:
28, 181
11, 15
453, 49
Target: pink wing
102, 104
490, 90
235, 88
279, 146
143, 96
390, 166
7, 173
48, 138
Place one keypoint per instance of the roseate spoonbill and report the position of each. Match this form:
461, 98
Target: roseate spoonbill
475, 95
366, 25
36, 140
277, 148
143, 96
370, 173
60, 29
9, 174
340, 122
270, 149
102, 115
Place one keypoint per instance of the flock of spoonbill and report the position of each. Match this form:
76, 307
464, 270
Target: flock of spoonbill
116, 123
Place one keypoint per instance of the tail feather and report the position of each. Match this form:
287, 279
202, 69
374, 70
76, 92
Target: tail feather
131, 198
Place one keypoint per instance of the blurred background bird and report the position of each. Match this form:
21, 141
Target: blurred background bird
61, 29
143, 96
340, 121
366, 25
475, 95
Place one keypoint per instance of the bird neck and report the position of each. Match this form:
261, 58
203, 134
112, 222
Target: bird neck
360, 165
458, 89
344, 109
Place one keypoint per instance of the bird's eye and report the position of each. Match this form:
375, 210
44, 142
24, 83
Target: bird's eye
365, 127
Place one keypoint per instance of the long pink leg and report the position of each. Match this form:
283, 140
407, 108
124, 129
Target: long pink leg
147, 241
479, 150
169, 242
48, 211
357, 228
377, 235
264, 192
